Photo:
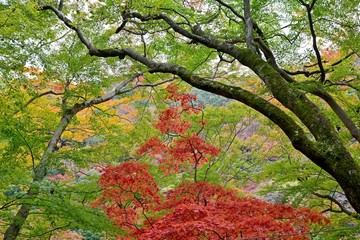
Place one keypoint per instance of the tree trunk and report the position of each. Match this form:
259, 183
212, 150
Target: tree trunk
12, 232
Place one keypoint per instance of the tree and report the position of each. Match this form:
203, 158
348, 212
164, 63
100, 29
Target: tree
40, 149
194, 210
35, 147
267, 38
190, 148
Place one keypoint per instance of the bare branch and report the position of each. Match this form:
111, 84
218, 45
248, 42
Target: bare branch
344, 82
121, 26
231, 9
308, 73
12, 202
314, 41
61, 5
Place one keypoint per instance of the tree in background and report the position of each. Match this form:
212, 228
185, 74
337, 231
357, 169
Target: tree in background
192, 210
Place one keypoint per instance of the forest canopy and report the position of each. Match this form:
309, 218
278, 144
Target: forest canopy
254, 100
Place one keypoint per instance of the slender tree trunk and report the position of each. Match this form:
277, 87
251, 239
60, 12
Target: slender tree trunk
12, 232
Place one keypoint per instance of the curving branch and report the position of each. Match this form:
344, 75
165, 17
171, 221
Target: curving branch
309, 8
344, 82
231, 9
308, 73
38, 96
334, 200
342, 115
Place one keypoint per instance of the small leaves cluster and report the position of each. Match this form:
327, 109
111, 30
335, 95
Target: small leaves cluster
127, 190
181, 149
195, 210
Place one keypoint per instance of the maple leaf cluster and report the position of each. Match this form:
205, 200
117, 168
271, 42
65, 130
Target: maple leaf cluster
192, 149
170, 119
127, 189
189, 148
195, 210
206, 211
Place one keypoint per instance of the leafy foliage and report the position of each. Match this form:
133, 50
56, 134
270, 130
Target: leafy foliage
301, 72
180, 149
196, 210
192, 210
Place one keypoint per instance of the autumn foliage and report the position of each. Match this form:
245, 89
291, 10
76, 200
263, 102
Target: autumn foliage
127, 189
182, 148
193, 210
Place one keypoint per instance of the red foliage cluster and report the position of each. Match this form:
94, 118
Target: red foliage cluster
195, 210
191, 148
127, 189
170, 119
186, 100
206, 211
192, 210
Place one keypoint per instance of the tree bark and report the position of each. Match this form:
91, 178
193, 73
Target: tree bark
12, 232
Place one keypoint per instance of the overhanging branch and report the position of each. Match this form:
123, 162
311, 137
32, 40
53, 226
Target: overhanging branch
333, 200
39, 96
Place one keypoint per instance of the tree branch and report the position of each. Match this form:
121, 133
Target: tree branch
231, 9
313, 35
249, 27
276, 83
342, 208
349, 124
61, 5
308, 74
38, 96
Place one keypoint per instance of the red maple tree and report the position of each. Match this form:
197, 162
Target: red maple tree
206, 211
182, 148
193, 210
